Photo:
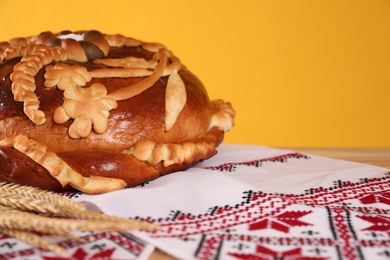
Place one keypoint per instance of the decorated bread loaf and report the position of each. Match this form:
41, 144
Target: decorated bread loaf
94, 112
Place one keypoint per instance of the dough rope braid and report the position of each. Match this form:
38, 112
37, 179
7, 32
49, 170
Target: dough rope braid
35, 55
10, 49
85, 79
168, 153
153, 153
59, 169
23, 85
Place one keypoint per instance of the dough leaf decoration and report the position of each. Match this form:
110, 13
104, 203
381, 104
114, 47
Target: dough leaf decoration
175, 99
128, 62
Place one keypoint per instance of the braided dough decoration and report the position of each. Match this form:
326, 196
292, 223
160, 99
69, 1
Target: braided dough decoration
23, 85
59, 169
98, 80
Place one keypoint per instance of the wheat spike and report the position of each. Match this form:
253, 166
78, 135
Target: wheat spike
13, 219
18, 201
25, 211
97, 216
39, 194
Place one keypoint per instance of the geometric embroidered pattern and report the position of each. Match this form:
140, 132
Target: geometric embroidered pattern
94, 245
340, 206
346, 220
231, 167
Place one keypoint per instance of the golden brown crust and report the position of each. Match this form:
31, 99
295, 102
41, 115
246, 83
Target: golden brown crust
77, 97
59, 169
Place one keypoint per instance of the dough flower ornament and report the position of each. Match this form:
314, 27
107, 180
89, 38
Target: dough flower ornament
65, 76
89, 100
88, 107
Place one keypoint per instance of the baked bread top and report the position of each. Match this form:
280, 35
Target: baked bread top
87, 93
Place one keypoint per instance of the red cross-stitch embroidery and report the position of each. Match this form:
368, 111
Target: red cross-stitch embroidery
82, 254
230, 167
383, 197
100, 246
223, 226
380, 223
281, 222
264, 253
342, 221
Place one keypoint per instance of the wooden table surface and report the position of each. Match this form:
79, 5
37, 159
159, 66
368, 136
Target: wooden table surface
374, 156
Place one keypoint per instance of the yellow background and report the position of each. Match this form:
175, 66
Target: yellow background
299, 72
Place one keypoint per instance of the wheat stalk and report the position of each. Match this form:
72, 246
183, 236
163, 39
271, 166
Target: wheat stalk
20, 202
35, 240
14, 219
39, 194
26, 211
